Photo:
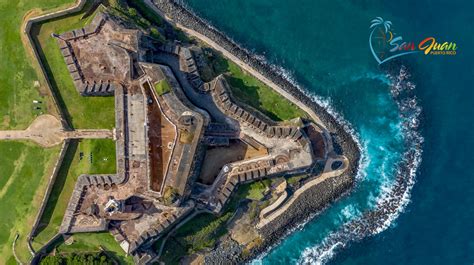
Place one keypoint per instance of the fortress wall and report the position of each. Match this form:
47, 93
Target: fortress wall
120, 146
198, 160
27, 30
181, 15
49, 188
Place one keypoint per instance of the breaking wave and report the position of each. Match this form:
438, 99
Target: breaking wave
395, 195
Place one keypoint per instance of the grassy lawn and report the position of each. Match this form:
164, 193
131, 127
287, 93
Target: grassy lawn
255, 93
101, 161
255, 191
82, 112
248, 89
19, 82
295, 179
162, 87
24, 172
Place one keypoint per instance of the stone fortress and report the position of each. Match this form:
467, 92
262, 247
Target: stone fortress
166, 118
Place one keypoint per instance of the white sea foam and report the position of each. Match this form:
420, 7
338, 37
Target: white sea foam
324, 256
350, 212
364, 160
394, 198
320, 254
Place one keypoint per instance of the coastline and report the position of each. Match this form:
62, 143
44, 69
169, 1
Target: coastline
319, 195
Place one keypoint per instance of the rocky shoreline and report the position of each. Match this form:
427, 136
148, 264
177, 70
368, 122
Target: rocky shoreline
315, 198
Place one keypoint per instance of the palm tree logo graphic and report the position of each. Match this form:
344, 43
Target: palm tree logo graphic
383, 26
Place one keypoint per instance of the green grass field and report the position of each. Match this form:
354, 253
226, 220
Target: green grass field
103, 161
24, 171
18, 76
24, 167
162, 87
81, 112
255, 93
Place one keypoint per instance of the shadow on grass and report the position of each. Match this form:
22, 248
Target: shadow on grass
113, 256
201, 233
145, 11
58, 186
217, 64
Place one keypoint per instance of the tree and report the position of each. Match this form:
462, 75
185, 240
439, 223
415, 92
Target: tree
97, 258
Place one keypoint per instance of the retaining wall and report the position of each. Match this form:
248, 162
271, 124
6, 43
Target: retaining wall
27, 30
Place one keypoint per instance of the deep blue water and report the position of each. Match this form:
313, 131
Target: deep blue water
324, 46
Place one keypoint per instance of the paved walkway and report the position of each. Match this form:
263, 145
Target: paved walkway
327, 174
46, 130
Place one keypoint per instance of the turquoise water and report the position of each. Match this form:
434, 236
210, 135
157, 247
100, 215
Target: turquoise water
324, 46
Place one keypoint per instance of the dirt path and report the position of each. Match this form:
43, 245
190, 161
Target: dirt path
46, 130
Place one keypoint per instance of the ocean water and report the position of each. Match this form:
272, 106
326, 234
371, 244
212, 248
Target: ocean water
323, 46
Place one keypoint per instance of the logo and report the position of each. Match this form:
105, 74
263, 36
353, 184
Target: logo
386, 45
